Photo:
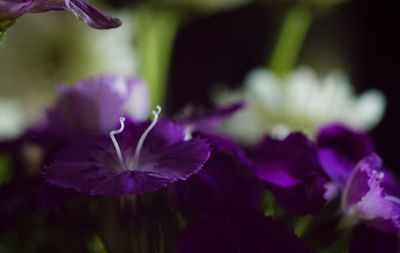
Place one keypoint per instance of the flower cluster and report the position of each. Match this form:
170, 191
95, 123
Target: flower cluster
299, 101
96, 140
284, 166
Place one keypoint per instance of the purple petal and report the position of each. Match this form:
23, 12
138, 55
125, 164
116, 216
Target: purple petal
15, 8
227, 146
339, 150
364, 196
291, 170
247, 232
84, 11
208, 121
225, 183
92, 106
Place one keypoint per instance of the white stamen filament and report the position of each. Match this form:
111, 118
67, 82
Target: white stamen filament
143, 137
114, 141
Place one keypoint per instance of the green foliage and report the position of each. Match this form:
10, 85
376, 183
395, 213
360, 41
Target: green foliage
4, 169
4, 24
96, 245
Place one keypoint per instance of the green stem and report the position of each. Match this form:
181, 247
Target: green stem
156, 29
4, 24
290, 39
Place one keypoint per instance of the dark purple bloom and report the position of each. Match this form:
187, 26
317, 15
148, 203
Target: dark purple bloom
92, 106
247, 232
291, 171
129, 163
224, 183
12, 9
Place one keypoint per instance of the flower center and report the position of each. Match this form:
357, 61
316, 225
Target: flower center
142, 138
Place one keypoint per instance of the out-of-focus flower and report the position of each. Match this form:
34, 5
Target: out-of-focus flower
113, 50
12, 9
134, 164
93, 106
244, 232
301, 101
55, 55
291, 171
12, 121
369, 191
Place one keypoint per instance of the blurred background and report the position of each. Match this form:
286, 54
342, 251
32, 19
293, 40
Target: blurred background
212, 47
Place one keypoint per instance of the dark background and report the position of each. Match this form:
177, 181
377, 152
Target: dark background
360, 37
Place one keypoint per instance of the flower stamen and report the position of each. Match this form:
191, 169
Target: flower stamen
114, 141
144, 135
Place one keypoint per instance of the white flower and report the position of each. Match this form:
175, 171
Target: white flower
301, 101
12, 120
112, 51
44, 50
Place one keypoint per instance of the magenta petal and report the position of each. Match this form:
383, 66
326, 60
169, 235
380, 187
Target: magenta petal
364, 196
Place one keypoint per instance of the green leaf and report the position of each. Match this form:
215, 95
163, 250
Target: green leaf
96, 245
2, 34
4, 25
5, 172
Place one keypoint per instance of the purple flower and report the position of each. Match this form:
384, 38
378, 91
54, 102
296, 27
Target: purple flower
291, 171
12, 9
365, 197
92, 106
369, 191
141, 159
225, 182
247, 232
